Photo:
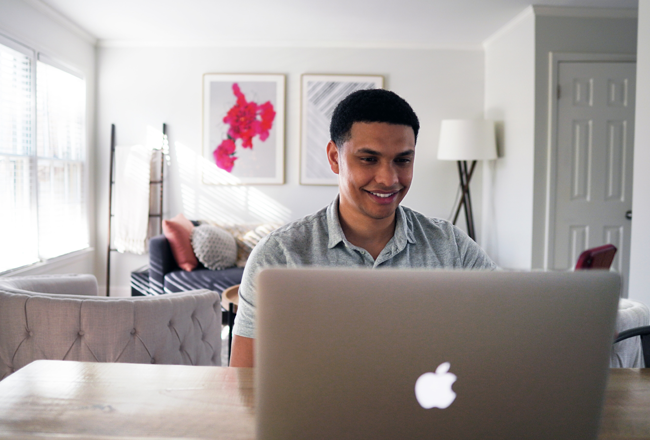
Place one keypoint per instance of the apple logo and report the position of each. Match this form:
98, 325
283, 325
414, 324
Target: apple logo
433, 390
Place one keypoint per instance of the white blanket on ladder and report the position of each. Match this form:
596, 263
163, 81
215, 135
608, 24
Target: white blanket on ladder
132, 175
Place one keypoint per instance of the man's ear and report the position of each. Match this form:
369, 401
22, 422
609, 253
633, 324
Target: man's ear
333, 156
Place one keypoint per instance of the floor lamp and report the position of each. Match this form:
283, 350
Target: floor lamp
466, 140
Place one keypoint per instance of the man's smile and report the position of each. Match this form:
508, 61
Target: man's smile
382, 194
383, 197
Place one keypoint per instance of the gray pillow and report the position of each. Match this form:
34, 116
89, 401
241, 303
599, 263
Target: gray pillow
214, 247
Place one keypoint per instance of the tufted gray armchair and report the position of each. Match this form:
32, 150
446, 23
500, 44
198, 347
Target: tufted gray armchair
61, 317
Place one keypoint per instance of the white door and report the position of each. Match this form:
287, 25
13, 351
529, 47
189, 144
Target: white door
594, 160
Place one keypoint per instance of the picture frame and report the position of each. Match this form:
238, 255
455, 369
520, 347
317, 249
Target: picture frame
243, 129
319, 96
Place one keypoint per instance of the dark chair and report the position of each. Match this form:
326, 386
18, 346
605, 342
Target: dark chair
630, 314
600, 257
644, 332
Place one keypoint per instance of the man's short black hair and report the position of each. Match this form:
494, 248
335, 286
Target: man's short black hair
373, 105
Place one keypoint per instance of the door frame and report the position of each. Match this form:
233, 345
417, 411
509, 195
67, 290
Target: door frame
555, 58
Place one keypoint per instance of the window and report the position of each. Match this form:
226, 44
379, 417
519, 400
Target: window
42, 159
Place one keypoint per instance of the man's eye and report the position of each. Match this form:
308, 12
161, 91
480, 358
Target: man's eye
368, 159
403, 160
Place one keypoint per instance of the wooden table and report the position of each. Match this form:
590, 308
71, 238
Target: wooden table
78, 400
84, 400
626, 414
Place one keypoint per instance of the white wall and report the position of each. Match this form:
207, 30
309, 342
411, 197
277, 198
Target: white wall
562, 30
39, 28
144, 87
640, 260
517, 81
508, 181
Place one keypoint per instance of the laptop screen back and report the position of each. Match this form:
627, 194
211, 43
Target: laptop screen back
339, 353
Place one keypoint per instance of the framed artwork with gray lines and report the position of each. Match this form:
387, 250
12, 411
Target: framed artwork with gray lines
320, 95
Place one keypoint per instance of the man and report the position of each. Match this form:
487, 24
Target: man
372, 148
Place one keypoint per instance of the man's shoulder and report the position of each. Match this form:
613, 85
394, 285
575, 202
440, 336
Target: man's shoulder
417, 221
300, 230
452, 246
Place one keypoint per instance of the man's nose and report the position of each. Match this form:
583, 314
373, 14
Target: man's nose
387, 175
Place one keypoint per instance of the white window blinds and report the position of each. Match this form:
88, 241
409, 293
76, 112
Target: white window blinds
42, 160
60, 109
18, 232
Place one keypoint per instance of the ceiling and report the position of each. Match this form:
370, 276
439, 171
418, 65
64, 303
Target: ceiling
400, 23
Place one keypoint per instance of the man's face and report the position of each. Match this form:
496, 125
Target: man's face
375, 168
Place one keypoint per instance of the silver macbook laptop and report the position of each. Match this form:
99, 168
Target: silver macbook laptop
410, 354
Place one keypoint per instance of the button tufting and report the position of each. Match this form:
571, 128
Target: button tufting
81, 332
30, 333
170, 324
133, 332
153, 361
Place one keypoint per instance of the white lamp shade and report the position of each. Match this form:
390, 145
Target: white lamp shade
467, 139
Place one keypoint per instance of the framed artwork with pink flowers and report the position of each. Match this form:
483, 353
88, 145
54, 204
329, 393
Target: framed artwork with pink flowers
243, 129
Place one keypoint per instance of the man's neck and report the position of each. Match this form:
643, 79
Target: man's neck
367, 233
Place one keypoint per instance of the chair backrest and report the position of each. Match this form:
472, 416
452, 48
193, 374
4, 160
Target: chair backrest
178, 328
68, 284
644, 333
600, 257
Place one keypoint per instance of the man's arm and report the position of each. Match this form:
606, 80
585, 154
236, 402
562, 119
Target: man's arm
263, 255
242, 352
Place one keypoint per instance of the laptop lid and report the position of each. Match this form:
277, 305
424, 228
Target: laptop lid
357, 353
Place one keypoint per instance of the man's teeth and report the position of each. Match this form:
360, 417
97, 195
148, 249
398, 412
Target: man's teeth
383, 196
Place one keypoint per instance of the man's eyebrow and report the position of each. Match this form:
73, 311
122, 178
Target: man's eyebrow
377, 153
368, 151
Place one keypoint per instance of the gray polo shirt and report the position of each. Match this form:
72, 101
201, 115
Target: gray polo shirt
318, 240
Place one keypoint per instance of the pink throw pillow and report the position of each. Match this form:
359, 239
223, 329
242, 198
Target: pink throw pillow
178, 231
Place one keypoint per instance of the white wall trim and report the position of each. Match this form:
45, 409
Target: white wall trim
51, 264
555, 58
508, 26
566, 11
62, 20
286, 44
15, 44
561, 11
61, 65
38, 51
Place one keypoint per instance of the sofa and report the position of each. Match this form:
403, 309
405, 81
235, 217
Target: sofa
166, 276
192, 255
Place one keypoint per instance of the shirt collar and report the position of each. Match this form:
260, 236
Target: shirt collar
335, 230
403, 227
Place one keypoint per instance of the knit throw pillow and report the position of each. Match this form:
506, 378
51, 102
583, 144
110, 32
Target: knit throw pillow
214, 247
247, 236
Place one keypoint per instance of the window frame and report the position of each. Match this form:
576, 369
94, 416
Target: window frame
35, 55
